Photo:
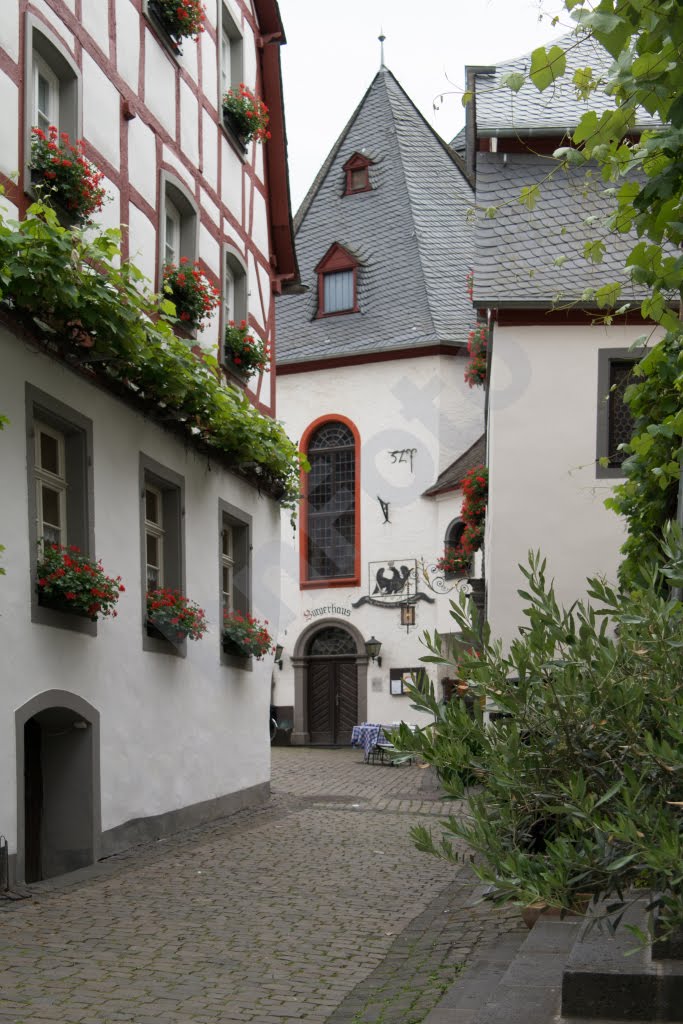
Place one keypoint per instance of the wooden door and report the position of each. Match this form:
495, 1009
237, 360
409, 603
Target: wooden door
332, 701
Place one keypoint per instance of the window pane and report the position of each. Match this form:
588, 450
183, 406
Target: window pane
51, 507
227, 588
338, 291
49, 453
152, 507
153, 578
620, 416
226, 70
227, 542
229, 296
331, 502
359, 178
152, 550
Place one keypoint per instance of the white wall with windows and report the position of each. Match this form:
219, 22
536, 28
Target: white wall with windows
543, 424
398, 406
176, 731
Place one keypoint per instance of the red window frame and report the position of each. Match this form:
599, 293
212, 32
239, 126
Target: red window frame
357, 162
336, 581
336, 258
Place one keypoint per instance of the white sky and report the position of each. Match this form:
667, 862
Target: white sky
332, 54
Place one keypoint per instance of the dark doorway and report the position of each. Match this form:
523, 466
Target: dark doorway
332, 687
58, 794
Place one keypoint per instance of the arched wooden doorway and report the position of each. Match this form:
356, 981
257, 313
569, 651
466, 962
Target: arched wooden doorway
332, 686
58, 791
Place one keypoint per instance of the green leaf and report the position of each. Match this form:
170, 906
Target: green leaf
546, 66
513, 80
466, 98
608, 295
594, 251
529, 196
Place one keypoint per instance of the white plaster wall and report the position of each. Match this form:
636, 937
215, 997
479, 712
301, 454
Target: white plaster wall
189, 124
544, 491
173, 731
210, 135
128, 42
9, 104
159, 83
142, 237
9, 31
95, 17
383, 401
142, 159
101, 111
55, 21
231, 178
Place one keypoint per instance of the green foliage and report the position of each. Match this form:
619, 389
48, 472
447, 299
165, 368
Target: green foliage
3, 423
583, 782
93, 309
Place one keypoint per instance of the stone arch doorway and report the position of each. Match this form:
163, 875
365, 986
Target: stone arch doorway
330, 683
58, 785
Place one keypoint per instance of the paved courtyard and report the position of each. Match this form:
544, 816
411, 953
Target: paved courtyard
316, 907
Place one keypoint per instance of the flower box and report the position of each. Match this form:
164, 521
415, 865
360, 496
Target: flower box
232, 126
243, 353
170, 636
234, 649
63, 177
70, 582
194, 297
245, 115
173, 617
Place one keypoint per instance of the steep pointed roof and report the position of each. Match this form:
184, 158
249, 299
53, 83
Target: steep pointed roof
409, 233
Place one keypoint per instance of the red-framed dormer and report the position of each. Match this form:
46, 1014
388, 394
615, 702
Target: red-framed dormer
337, 282
357, 170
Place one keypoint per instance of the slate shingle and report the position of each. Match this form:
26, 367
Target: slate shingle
410, 234
453, 475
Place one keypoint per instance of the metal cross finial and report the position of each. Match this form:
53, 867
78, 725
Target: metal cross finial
381, 38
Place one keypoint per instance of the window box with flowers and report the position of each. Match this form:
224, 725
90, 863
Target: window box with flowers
244, 354
173, 617
477, 346
177, 20
70, 582
454, 563
245, 115
457, 560
63, 176
245, 637
195, 299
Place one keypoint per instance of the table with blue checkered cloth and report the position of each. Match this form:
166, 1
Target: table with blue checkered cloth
367, 736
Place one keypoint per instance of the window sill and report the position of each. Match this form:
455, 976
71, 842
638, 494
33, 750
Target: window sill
158, 645
232, 661
348, 581
321, 315
42, 615
610, 472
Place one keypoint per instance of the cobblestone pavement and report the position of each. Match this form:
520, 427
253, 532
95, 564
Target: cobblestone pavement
315, 907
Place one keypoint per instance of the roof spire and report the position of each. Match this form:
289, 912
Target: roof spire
381, 38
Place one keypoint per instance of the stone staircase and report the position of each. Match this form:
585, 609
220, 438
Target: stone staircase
559, 975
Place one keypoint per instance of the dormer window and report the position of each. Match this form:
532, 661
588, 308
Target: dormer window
357, 174
337, 282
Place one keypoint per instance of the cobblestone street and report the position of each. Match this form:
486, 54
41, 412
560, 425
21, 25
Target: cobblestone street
314, 908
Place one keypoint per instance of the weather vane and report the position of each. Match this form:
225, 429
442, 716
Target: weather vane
381, 38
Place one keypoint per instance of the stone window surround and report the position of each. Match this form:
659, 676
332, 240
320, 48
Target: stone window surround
39, 38
241, 523
605, 357
172, 487
78, 435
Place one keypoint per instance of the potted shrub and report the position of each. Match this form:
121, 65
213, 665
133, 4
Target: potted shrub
59, 171
242, 352
194, 298
245, 637
68, 581
245, 115
179, 19
172, 616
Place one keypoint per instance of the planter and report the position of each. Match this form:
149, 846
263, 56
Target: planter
234, 649
67, 218
232, 126
240, 374
58, 603
157, 633
156, 14
532, 912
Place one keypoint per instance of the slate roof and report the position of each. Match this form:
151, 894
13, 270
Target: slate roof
409, 233
452, 477
459, 142
516, 250
499, 111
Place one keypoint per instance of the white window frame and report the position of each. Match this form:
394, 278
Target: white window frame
42, 68
172, 214
226, 62
231, 41
154, 528
227, 565
56, 482
229, 294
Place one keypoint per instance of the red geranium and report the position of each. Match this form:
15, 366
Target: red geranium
61, 170
183, 17
248, 114
248, 634
175, 616
71, 580
194, 297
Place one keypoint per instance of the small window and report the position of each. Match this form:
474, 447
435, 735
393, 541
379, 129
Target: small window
179, 222
163, 539
227, 567
231, 64
154, 538
615, 420
60, 490
53, 93
45, 95
51, 485
357, 171
171, 234
234, 548
451, 543
337, 282
235, 293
